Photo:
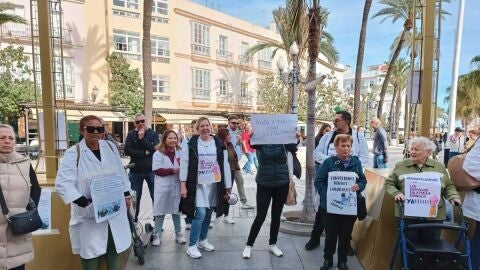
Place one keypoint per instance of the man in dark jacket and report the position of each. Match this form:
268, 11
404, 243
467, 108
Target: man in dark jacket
140, 146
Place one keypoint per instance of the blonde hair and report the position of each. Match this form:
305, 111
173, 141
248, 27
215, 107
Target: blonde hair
200, 120
342, 138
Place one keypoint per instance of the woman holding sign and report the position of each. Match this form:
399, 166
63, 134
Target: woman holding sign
422, 183
91, 176
205, 178
338, 180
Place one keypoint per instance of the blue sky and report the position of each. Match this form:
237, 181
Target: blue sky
345, 21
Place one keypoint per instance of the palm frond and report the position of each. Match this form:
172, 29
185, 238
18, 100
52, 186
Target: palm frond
5, 17
261, 46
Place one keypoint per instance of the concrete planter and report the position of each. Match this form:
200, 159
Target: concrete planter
293, 225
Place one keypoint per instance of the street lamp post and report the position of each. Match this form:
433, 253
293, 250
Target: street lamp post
292, 78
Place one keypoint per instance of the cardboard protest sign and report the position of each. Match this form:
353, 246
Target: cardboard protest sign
341, 199
422, 194
274, 128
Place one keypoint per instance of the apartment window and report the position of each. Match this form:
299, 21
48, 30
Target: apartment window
126, 3
159, 19
244, 48
127, 14
265, 58
243, 90
223, 88
160, 48
200, 39
126, 41
160, 84
201, 83
223, 46
160, 7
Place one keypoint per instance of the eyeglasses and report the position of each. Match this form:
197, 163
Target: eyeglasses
91, 129
337, 120
140, 121
234, 123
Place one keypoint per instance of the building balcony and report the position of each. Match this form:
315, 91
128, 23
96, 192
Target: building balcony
201, 50
246, 100
224, 56
24, 32
203, 94
69, 92
263, 64
164, 58
244, 62
129, 55
228, 98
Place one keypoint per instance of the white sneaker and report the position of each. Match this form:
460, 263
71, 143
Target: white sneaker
193, 252
156, 240
246, 252
210, 226
282, 218
205, 245
180, 239
228, 220
275, 250
247, 206
214, 217
188, 226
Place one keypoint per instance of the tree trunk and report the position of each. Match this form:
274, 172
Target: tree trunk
314, 34
395, 55
358, 70
147, 61
391, 119
398, 106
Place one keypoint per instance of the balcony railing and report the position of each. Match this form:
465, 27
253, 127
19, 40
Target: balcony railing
24, 31
263, 64
201, 50
129, 55
243, 61
69, 92
225, 98
223, 55
247, 100
201, 94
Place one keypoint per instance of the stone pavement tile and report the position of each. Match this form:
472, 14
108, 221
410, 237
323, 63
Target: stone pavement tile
230, 243
284, 242
155, 261
232, 260
289, 260
242, 227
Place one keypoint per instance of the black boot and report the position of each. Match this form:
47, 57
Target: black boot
342, 266
326, 265
350, 251
312, 244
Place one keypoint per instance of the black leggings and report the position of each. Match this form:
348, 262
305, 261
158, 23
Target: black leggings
338, 227
278, 196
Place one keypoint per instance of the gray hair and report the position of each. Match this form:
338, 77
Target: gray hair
424, 142
137, 115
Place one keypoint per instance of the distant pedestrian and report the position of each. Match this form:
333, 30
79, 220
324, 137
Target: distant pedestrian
380, 144
140, 146
456, 143
166, 166
325, 128
205, 180
248, 150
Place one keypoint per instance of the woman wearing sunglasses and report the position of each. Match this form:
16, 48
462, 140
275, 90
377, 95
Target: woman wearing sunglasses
94, 160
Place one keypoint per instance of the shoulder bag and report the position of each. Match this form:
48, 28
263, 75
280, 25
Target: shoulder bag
25, 222
292, 192
460, 178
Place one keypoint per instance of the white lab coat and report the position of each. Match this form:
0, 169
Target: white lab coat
167, 188
359, 148
88, 238
471, 204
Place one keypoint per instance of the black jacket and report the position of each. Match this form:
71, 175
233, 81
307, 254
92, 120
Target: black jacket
187, 205
272, 164
136, 149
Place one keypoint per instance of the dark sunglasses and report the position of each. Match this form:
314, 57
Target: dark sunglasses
235, 123
91, 129
140, 121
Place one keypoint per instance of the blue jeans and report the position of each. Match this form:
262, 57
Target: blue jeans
251, 160
159, 223
136, 181
452, 154
378, 161
475, 250
200, 223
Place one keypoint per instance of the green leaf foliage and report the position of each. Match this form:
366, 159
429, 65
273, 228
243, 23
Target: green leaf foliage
125, 84
15, 84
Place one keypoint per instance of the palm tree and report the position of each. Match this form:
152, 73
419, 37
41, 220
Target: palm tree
147, 61
358, 70
398, 81
5, 17
396, 10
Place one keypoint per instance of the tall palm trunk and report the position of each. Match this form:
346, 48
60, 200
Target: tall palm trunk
147, 61
406, 28
392, 111
358, 70
314, 34
398, 107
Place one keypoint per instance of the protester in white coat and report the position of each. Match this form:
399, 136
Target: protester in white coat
471, 204
90, 160
166, 166
326, 148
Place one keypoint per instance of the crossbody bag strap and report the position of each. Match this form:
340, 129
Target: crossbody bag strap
3, 203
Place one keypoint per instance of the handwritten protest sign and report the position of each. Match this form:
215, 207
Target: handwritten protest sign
273, 128
341, 199
422, 194
107, 197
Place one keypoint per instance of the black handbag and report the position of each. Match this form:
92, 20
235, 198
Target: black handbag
22, 223
297, 167
361, 207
